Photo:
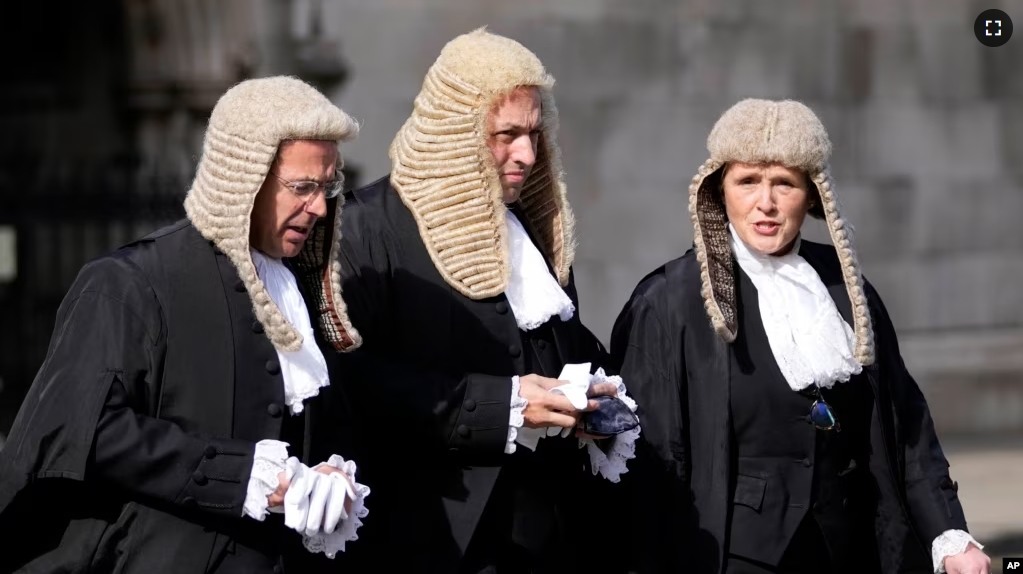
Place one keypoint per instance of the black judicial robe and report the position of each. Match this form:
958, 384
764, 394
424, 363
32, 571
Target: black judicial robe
678, 370
133, 448
430, 391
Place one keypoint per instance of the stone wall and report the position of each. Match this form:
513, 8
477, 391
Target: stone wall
927, 126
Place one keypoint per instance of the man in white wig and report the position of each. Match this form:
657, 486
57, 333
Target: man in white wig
781, 430
457, 267
164, 432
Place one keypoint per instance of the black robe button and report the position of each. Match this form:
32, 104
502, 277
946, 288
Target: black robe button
274, 410
469, 404
463, 431
542, 345
501, 307
514, 350
257, 327
273, 367
210, 451
199, 478
239, 287
807, 463
188, 501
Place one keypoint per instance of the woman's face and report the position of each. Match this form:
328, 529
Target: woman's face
766, 204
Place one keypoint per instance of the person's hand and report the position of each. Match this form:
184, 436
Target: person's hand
602, 390
547, 409
318, 498
596, 390
970, 561
350, 487
276, 497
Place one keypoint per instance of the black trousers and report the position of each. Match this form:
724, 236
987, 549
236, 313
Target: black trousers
492, 550
536, 519
807, 554
519, 533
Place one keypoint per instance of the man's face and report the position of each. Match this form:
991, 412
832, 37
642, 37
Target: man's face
281, 219
513, 129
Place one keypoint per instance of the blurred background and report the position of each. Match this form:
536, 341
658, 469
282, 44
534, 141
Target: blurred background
104, 104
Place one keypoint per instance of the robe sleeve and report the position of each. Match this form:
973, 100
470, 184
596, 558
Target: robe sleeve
158, 459
87, 415
651, 366
931, 494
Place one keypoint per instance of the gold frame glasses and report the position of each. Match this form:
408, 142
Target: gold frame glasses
306, 189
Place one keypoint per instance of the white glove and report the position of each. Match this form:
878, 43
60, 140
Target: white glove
334, 503
314, 502
575, 390
337, 527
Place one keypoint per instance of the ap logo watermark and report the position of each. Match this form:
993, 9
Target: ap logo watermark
993, 28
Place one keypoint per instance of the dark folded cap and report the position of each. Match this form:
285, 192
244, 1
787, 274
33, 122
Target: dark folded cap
611, 418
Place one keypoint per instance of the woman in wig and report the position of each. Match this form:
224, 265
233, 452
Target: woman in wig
781, 430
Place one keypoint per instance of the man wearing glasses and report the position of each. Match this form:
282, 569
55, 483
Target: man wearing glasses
164, 431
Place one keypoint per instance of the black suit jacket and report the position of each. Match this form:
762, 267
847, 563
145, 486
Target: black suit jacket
430, 388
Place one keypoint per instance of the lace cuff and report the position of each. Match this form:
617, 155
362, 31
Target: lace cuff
612, 461
950, 543
515, 417
334, 542
267, 463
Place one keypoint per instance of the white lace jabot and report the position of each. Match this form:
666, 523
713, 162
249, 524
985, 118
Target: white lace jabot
810, 340
534, 295
305, 370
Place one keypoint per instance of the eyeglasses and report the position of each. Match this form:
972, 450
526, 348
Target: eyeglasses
821, 414
306, 189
